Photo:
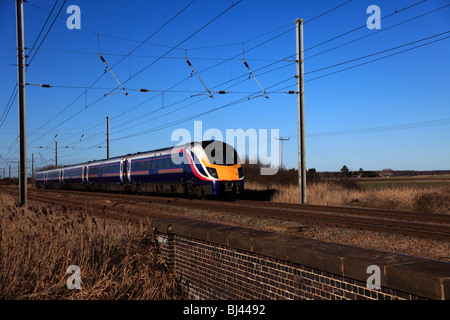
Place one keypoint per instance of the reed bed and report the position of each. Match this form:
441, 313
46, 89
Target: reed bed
116, 260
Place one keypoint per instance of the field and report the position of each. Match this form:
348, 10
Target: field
419, 181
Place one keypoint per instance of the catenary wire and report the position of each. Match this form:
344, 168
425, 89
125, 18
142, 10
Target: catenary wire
251, 39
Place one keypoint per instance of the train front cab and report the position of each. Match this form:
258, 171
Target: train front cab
214, 171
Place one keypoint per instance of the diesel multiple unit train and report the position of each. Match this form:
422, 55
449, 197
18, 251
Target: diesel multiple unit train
196, 169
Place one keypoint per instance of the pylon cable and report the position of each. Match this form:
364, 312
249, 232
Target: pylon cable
106, 64
251, 72
193, 70
84, 93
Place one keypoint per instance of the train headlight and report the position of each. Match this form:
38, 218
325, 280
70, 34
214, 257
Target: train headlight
213, 172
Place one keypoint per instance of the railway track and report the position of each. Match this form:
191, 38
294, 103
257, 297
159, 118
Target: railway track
426, 225
83, 202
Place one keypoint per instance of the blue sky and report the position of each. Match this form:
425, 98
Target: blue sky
391, 113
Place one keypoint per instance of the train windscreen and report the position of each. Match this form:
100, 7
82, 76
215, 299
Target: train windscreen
220, 153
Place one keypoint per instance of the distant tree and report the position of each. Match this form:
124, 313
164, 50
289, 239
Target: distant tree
312, 175
387, 172
345, 172
370, 174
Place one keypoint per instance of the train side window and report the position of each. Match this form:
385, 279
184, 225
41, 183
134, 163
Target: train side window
153, 164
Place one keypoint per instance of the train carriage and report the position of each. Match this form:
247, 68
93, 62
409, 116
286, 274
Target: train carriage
156, 172
72, 175
40, 179
196, 169
53, 177
104, 175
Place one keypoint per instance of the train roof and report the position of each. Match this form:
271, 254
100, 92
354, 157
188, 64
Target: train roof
133, 154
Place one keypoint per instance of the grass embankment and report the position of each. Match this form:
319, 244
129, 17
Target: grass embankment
424, 194
116, 260
403, 197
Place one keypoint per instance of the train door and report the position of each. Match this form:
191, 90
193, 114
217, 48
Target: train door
128, 160
84, 174
122, 170
125, 170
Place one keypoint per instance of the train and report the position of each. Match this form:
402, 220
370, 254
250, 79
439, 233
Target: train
196, 169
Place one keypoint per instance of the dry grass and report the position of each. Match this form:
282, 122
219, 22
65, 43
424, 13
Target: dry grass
404, 197
117, 260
